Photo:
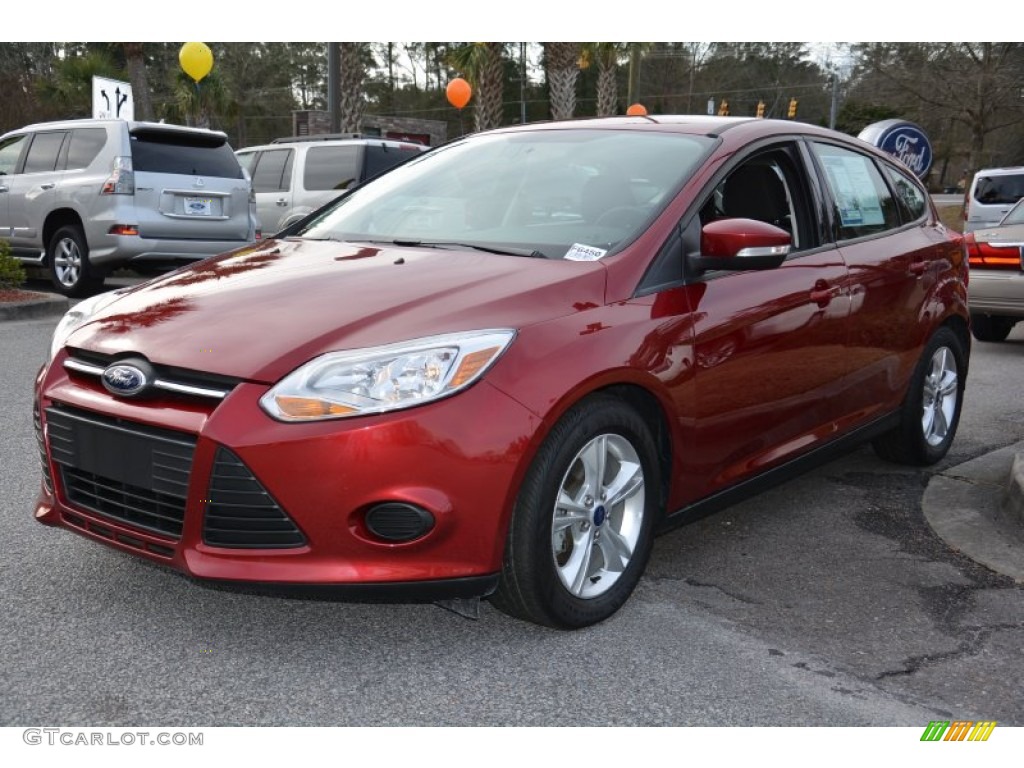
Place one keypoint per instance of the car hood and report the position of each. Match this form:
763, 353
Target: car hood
260, 312
1012, 233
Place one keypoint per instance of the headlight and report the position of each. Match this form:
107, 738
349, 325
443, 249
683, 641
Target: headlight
341, 384
78, 315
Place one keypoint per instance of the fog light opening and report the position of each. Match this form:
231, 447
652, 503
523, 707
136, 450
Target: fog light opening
398, 522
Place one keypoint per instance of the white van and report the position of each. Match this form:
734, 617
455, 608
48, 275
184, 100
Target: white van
992, 194
293, 177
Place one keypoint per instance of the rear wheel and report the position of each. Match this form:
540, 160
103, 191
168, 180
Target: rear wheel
68, 258
991, 327
582, 529
931, 410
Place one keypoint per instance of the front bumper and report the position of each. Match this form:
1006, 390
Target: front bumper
458, 458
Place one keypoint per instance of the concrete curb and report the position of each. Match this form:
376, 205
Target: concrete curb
45, 306
977, 508
1013, 502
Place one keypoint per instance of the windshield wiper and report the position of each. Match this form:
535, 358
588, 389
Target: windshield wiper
535, 254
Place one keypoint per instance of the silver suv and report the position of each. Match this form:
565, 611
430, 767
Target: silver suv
992, 193
83, 196
293, 177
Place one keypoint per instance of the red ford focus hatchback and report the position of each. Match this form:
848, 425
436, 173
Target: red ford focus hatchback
501, 368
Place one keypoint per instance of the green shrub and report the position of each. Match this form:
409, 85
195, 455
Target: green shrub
12, 274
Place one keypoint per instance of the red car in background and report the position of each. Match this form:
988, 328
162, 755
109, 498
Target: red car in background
501, 368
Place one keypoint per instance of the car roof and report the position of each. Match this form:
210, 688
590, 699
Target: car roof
317, 141
133, 125
693, 124
1005, 171
735, 131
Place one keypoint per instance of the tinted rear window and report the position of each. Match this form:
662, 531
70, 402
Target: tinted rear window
331, 167
380, 159
86, 143
188, 155
999, 190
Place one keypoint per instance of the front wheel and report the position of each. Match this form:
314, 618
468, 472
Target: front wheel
931, 409
583, 523
68, 257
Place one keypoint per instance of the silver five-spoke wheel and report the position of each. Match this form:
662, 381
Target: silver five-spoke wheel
598, 516
67, 262
584, 519
939, 401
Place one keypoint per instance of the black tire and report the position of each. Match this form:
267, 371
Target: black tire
67, 255
991, 327
539, 557
931, 409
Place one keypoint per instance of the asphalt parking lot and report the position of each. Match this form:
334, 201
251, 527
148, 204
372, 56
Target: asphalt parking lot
826, 601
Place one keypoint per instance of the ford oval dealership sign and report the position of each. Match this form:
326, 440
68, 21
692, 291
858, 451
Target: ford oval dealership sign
903, 140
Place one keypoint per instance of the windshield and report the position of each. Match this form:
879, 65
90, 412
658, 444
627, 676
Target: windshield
550, 191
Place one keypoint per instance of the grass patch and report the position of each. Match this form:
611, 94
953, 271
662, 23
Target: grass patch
952, 216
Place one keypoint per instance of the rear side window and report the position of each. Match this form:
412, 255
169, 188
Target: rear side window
909, 196
273, 172
331, 167
85, 144
380, 159
43, 153
862, 200
999, 190
246, 159
186, 155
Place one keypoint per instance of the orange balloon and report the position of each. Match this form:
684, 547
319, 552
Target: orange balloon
636, 110
459, 93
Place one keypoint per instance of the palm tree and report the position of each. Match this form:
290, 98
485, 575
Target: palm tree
562, 62
351, 57
135, 60
606, 56
196, 103
69, 91
483, 65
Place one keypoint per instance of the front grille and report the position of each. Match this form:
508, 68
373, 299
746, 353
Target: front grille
121, 470
241, 514
44, 463
170, 381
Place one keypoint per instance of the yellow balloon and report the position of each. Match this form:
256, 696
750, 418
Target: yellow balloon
196, 59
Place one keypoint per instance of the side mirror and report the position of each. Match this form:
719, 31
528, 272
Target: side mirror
741, 244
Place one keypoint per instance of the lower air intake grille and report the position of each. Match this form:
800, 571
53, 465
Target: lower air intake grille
44, 463
121, 470
240, 514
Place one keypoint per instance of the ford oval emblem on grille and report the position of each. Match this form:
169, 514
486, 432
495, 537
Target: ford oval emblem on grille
124, 379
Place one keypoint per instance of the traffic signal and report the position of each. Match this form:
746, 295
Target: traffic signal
792, 108
760, 109
723, 108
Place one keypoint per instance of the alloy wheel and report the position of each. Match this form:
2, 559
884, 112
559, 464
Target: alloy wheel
940, 401
598, 516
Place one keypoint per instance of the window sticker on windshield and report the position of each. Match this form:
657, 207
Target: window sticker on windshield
579, 252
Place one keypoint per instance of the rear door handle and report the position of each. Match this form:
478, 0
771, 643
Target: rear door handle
51, 185
282, 202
